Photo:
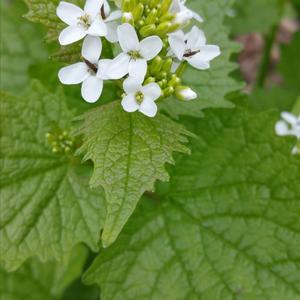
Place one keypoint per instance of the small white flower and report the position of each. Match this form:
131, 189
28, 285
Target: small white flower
192, 48
185, 93
289, 126
133, 59
182, 13
140, 98
86, 72
94, 20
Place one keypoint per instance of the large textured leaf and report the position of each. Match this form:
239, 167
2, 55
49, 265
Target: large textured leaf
44, 12
46, 205
226, 228
214, 84
37, 281
21, 46
129, 152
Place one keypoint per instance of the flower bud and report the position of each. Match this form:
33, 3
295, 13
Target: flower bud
127, 17
185, 93
147, 30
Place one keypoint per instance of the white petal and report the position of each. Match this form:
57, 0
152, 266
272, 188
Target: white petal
73, 74
198, 63
195, 38
91, 49
177, 44
106, 8
115, 15
103, 66
151, 91
281, 128
209, 52
148, 108
129, 104
150, 47
175, 66
201, 60
93, 7
175, 6
118, 67
98, 28
138, 68
112, 35
295, 150
288, 117
128, 38
69, 13
71, 34
132, 85
197, 17
91, 89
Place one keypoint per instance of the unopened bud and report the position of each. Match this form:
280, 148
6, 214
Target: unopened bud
185, 93
147, 30
127, 17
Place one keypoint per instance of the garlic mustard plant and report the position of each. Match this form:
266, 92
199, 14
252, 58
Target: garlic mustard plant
153, 46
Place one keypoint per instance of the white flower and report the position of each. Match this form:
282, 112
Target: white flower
289, 126
182, 13
141, 98
192, 48
133, 59
185, 93
86, 72
94, 20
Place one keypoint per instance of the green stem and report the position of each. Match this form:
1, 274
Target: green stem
264, 67
181, 69
269, 43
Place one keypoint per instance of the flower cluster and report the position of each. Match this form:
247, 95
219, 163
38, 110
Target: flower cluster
289, 126
153, 50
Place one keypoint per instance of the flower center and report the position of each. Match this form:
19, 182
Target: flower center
85, 21
134, 54
139, 97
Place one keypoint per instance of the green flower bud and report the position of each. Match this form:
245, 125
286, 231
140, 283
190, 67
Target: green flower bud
156, 65
167, 65
147, 30
165, 6
138, 12
174, 81
168, 91
151, 17
163, 28
149, 80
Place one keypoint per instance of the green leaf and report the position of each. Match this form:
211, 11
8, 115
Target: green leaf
215, 84
255, 16
37, 281
226, 228
46, 205
44, 12
129, 152
21, 46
